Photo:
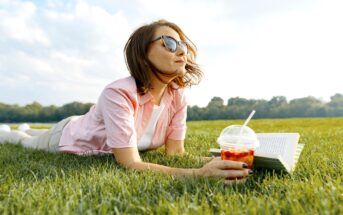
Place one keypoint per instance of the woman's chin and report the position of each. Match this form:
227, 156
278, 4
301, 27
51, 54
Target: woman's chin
181, 72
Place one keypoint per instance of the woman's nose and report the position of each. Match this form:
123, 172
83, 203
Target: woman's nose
180, 51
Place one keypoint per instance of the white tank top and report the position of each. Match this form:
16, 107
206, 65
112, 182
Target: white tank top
145, 141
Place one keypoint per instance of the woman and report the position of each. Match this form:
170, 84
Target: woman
140, 112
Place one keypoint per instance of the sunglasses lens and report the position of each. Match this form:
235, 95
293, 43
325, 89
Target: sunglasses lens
170, 44
184, 47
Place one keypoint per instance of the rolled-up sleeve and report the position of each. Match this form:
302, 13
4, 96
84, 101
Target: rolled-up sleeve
177, 127
117, 110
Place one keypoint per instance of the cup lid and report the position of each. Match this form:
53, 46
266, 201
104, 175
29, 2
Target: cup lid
238, 136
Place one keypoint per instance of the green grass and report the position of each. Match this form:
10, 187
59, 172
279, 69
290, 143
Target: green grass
37, 182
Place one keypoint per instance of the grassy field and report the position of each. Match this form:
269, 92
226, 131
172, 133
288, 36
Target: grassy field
37, 182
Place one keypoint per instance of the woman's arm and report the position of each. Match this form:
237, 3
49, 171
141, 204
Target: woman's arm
174, 147
129, 158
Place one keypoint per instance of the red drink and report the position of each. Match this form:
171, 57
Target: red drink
246, 156
238, 143
243, 156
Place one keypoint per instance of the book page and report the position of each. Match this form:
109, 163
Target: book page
282, 144
270, 161
300, 147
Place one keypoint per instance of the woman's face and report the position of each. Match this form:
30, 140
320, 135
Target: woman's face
165, 60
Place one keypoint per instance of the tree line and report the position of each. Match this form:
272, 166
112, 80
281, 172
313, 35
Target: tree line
235, 108
35, 112
277, 107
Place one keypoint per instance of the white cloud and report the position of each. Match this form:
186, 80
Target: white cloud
60, 51
83, 42
18, 23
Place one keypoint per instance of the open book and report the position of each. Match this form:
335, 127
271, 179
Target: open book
278, 151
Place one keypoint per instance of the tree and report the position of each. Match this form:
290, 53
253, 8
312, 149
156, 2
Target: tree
30, 112
335, 106
49, 114
74, 108
238, 108
277, 107
304, 107
194, 113
215, 109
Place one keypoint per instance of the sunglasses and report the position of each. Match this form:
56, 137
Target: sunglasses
171, 44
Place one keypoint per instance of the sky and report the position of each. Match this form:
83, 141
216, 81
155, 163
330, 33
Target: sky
56, 52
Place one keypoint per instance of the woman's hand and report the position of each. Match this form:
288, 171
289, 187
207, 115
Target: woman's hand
129, 158
230, 170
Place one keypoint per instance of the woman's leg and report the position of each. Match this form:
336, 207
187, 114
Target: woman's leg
48, 139
14, 137
20, 137
35, 132
38, 142
26, 140
24, 127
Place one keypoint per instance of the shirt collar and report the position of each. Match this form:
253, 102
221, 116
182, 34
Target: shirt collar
145, 98
166, 99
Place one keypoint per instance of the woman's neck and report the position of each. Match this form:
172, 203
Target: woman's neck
157, 89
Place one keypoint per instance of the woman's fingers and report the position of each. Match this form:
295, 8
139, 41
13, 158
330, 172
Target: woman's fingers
237, 173
233, 169
227, 164
226, 169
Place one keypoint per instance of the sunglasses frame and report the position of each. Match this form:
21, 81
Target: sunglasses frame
181, 43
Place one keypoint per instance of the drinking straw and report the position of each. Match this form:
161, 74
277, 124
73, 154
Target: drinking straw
245, 124
249, 118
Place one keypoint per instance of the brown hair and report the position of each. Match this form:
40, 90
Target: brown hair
136, 49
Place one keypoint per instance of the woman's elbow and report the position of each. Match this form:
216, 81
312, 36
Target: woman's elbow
179, 151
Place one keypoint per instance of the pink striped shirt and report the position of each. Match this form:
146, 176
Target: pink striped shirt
119, 118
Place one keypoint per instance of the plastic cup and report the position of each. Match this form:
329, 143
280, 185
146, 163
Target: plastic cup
238, 143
